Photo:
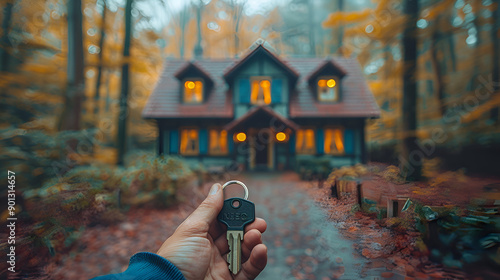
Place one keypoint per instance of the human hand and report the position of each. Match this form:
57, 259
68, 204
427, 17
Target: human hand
198, 247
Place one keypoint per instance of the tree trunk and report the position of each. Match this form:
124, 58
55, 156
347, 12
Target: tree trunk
122, 117
340, 37
198, 50
477, 54
496, 57
436, 36
5, 43
411, 157
99, 67
236, 18
312, 29
183, 19
70, 118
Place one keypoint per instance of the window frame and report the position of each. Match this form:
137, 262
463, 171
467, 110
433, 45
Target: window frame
302, 152
219, 129
193, 79
336, 88
197, 151
260, 78
342, 130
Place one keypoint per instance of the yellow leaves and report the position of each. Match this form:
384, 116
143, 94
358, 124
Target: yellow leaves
40, 68
337, 18
483, 108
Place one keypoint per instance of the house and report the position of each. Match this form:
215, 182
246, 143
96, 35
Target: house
262, 111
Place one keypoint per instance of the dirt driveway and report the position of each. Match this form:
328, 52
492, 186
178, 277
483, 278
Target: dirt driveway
303, 243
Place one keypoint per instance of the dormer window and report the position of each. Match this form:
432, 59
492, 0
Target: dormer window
193, 91
261, 91
328, 89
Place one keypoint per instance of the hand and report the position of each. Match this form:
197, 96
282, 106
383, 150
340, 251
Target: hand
198, 247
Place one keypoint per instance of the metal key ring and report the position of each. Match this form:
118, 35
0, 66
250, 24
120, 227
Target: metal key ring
237, 183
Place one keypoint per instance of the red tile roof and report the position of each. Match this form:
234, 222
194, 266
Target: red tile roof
166, 99
357, 100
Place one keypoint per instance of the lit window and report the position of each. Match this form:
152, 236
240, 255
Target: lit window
189, 141
193, 91
261, 91
305, 141
217, 142
334, 141
327, 89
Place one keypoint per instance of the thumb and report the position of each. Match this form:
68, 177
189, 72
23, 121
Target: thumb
208, 210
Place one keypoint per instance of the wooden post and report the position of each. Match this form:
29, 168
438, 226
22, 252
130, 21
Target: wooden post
334, 189
359, 194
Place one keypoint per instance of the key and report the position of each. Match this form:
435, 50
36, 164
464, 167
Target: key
236, 214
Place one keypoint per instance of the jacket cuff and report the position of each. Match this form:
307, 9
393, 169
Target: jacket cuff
152, 266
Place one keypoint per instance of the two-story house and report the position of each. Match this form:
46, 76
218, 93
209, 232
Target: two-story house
262, 111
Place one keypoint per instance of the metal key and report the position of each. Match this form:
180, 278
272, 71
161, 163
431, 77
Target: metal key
236, 214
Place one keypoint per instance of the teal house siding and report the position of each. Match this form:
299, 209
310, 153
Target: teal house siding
320, 141
349, 141
203, 144
174, 142
276, 91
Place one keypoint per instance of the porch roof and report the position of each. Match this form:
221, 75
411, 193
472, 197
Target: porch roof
253, 115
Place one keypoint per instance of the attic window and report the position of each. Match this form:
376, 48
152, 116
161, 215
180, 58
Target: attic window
328, 89
193, 91
261, 91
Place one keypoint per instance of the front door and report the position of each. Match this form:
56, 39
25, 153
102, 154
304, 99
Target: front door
261, 152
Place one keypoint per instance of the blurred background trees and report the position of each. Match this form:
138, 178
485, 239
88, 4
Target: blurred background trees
54, 78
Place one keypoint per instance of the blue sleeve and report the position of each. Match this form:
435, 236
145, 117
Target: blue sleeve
147, 266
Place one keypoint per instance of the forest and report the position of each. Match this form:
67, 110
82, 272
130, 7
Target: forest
75, 76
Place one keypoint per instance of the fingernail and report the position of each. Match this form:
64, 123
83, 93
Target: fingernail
214, 189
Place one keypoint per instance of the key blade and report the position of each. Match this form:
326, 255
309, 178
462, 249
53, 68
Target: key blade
234, 238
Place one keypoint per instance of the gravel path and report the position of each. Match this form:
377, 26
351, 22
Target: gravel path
302, 243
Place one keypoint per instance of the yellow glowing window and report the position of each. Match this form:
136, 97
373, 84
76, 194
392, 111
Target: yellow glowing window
261, 91
193, 91
217, 142
189, 141
327, 89
334, 141
304, 143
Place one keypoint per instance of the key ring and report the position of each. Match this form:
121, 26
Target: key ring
237, 183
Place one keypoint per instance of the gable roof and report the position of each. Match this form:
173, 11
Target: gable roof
190, 68
259, 111
357, 100
258, 51
328, 66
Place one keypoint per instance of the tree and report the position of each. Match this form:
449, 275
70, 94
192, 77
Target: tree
70, 117
99, 66
122, 116
410, 166
495, 33
440, 87
5, 43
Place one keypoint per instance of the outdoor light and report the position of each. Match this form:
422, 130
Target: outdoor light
331, 83
241, 136
280, 136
